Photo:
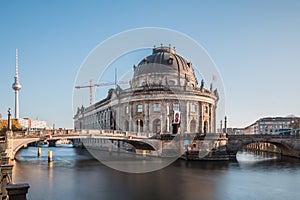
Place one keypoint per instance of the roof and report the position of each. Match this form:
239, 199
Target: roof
165, 60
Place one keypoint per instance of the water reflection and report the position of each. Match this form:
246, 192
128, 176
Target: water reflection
74, 174
255, 156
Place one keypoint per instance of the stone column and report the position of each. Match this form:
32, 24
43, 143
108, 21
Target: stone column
6, 172
210, 118
108, 116
183, 113
130, 117
118, 124
168, 118
139, 126
146, 122
187, 111
161, 124
9, 144
215, 119
200, 120
225, 124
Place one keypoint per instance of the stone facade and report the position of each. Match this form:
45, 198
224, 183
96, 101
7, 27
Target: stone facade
163, 84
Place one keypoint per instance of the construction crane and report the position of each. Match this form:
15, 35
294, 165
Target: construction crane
98, 85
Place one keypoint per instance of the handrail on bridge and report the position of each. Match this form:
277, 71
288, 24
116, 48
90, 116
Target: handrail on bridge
241, 136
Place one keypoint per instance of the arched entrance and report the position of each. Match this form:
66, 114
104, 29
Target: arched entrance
140, 125
205, 127
193, 126
156, 128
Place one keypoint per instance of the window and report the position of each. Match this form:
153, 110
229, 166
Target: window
171, 82
126, 110
139, 108
176, 106
156, 107
144, 84
193, 108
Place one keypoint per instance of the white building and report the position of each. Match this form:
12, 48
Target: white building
271, 125
27, 123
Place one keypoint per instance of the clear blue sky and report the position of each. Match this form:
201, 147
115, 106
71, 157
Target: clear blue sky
255, 44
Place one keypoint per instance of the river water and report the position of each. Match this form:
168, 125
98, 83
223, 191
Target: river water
74, 174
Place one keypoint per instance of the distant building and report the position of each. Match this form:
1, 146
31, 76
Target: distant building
235, 131
27, 123
271, 125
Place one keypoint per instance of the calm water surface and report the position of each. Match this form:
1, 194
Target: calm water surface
74, 174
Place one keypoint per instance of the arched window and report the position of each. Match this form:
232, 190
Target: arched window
171, 82
193, 108
140, 125
144, 84
205, 127
126, 125
126, 110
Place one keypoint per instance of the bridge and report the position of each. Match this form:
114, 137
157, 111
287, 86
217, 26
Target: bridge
14, 141
289, 145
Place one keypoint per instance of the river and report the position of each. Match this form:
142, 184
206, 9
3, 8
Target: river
74, 174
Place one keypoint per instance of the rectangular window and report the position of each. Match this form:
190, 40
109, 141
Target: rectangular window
156, 107
176, 106
126, 110
139, 108
193, 108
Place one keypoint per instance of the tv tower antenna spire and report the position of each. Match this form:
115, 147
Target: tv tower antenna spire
17, 86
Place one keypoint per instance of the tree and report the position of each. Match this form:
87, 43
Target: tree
15, 126
296, 125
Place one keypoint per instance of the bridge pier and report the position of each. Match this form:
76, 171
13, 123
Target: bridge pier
52, 143
9, 144
17, 191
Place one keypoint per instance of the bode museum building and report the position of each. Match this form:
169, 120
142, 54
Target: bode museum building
163, 98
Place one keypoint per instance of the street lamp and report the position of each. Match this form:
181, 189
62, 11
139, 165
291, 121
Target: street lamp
9, 119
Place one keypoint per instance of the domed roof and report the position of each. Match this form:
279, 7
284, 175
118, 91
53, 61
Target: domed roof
165, 60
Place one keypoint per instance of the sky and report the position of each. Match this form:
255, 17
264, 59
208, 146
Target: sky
255, 45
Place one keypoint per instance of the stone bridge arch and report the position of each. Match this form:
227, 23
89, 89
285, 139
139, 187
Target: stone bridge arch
287, 147
14, 145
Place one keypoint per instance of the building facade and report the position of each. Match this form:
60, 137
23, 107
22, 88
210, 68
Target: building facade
30, 124
163, 97
271, 125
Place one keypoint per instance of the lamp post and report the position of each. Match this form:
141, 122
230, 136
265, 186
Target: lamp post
9, 119
225, 124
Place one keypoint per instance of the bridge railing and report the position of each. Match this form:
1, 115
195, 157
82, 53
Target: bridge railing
115, 133
261, 136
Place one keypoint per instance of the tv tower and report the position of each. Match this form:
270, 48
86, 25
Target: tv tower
17, 86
